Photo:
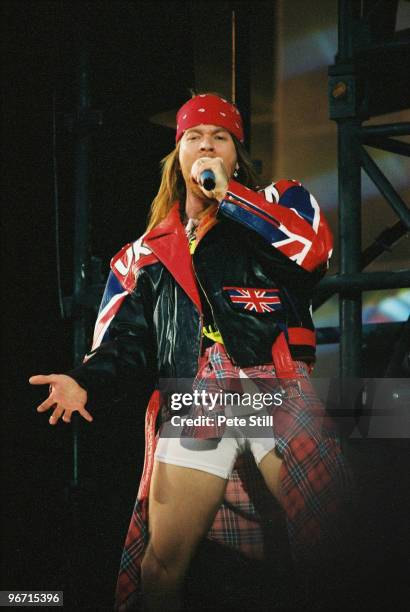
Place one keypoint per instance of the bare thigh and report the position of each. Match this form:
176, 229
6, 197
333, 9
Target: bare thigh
182, 506
270, 467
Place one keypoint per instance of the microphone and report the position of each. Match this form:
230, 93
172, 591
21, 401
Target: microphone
207, 180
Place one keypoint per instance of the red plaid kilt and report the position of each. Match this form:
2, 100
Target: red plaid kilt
314, 477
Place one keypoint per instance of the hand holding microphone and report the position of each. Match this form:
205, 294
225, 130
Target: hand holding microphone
211, 176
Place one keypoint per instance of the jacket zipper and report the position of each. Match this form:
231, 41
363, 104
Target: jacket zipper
201, 316
210, 306
201, 324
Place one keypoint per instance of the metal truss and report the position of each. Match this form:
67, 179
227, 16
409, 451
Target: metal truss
370, 77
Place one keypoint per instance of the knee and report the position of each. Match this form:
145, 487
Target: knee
156, 570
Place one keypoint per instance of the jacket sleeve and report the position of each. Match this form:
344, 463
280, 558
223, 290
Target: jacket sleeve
122, 350
287, 216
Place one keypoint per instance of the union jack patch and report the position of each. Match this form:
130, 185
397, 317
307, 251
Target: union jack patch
254, 299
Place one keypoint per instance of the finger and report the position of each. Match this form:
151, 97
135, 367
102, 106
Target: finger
67, 417
56, 415
197, 168
195, 176
209, 194
50, 401
42, 379
87, 416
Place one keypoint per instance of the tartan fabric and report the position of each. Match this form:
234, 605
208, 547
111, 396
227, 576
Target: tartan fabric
314, 477
248, 507
216, 372
129, 577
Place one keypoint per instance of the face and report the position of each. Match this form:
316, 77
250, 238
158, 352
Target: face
205, 141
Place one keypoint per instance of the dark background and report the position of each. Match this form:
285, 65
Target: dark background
55, 536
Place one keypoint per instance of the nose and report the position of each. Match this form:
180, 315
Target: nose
207, 143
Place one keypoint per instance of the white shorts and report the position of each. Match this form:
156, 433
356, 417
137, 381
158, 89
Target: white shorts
213, 456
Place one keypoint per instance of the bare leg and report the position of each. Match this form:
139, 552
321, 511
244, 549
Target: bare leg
182, 506
270, 469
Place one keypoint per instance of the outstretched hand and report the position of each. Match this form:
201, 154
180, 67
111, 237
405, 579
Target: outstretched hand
65, 396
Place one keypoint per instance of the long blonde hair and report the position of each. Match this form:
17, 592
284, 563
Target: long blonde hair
172, 186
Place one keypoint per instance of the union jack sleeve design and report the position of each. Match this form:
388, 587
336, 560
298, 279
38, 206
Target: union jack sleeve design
295, 197
287, 216
113, 297
256, 300
121, 281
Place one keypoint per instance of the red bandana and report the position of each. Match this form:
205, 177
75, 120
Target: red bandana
209, 110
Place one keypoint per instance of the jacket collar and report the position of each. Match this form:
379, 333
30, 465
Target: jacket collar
169, 243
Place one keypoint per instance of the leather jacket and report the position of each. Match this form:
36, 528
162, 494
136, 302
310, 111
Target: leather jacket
258, 256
